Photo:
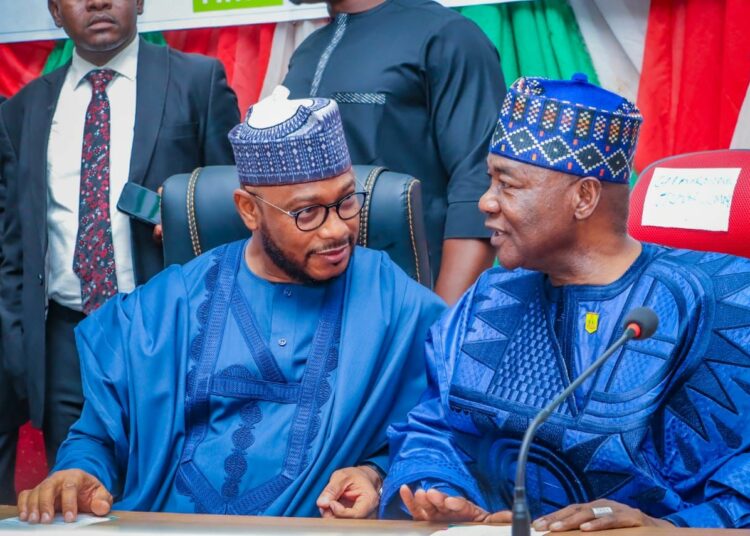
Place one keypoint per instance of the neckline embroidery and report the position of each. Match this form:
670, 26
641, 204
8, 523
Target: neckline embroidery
312, 392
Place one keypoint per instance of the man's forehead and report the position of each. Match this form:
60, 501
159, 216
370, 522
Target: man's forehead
311, 191
522, 170
499, 163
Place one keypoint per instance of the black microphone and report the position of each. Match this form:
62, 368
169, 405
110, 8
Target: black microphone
640, 323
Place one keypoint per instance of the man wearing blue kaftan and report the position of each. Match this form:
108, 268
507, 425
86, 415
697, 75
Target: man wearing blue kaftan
213, 390
662, 427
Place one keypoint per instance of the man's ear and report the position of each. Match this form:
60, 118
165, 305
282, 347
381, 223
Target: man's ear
248, 209
54, 10
587, 196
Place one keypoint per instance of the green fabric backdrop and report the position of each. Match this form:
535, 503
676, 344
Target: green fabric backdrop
535, 38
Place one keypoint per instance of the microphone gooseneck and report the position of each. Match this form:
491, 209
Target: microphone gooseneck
640, 323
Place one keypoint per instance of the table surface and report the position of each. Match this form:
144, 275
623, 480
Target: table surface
250, 525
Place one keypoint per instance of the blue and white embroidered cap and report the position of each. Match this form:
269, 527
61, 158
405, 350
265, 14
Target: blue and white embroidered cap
571, 126
286, 141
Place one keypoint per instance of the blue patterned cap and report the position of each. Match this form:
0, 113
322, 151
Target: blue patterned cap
286, 141
570, 126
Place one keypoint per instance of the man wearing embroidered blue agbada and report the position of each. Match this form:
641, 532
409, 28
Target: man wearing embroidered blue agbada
238, 383
660, 434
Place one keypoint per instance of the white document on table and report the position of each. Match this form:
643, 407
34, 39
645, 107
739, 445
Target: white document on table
58, 523
698, 199
480, 530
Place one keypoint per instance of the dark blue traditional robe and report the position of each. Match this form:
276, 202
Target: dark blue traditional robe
212, 390
663, 426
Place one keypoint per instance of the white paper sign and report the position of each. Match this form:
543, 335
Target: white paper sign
480, 530
690, 198
58, 523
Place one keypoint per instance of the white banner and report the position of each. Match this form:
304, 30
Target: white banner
29, 20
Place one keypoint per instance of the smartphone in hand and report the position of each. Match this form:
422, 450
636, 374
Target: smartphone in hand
140, 203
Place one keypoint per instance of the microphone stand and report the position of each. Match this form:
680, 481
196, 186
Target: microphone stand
521, 518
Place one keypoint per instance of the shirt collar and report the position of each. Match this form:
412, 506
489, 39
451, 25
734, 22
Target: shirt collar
125, 64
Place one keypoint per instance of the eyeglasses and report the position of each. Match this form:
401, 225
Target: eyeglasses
312, 217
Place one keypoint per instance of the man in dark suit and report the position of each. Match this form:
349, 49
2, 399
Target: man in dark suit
121, 111
12, 415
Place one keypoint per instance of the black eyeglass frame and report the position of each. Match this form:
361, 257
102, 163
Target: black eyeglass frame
336, 204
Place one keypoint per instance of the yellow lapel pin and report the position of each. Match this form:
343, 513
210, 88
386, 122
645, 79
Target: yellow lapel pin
592, 322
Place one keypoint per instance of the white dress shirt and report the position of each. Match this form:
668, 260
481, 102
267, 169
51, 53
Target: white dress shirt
64, 172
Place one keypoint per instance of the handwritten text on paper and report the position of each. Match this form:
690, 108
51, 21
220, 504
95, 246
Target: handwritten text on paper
690, 198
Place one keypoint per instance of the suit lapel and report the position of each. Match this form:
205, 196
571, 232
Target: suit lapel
151, 94
40, 125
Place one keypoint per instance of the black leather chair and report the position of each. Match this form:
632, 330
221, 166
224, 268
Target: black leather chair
198, 214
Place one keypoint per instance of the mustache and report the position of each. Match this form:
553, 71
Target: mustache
349, 241
101, 18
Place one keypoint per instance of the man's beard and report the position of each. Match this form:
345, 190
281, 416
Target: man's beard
293, 269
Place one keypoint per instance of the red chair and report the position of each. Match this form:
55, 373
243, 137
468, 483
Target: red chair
735, 240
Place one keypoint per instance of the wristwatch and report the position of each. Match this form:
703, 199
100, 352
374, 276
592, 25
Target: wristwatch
375, 467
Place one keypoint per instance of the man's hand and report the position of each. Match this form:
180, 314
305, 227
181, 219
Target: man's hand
433, 505
351, 493
69, 492
158, 234
581, 516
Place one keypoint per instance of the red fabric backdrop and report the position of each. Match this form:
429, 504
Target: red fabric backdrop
244, 51
696, 72
21, 63
31, 466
